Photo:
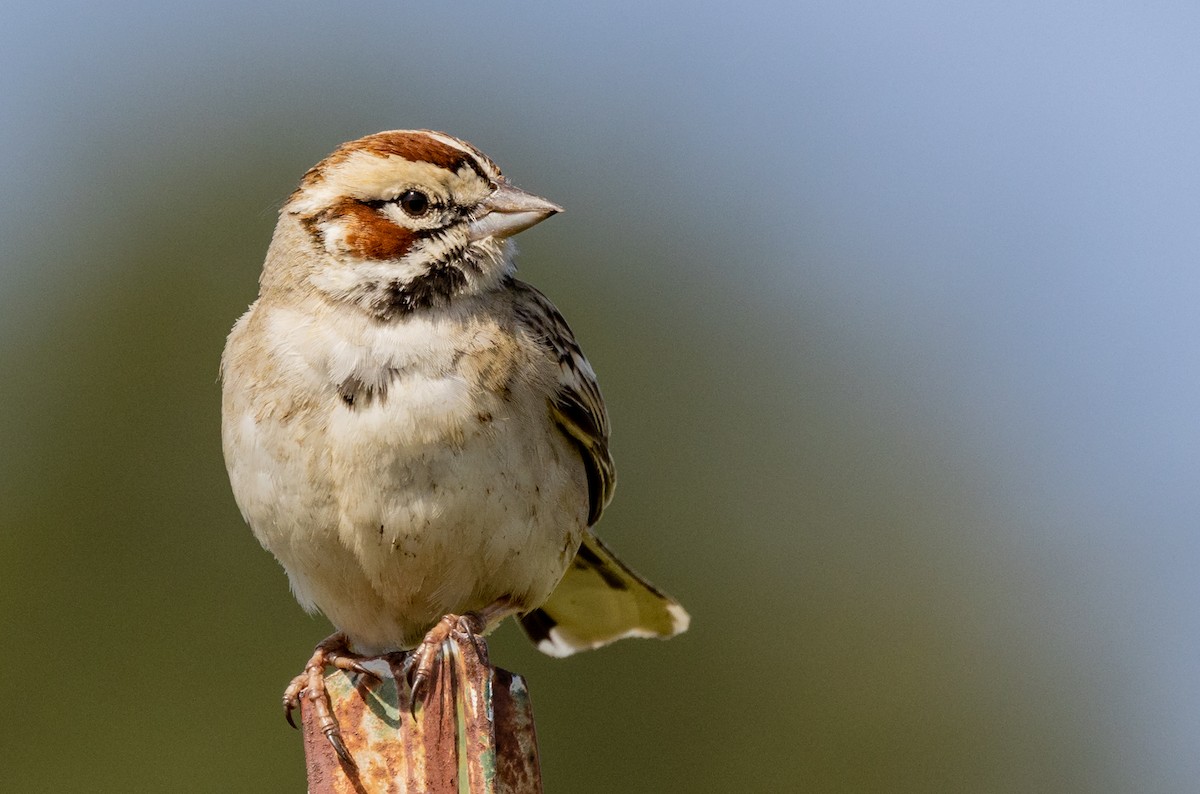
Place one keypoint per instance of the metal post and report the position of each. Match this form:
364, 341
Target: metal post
473, 733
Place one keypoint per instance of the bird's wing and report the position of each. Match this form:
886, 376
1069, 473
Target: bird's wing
576, 404
599, 599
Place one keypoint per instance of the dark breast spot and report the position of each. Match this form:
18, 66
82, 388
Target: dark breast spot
433, 288
356, 395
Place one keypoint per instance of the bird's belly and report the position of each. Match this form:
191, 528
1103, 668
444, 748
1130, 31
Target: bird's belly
439, 499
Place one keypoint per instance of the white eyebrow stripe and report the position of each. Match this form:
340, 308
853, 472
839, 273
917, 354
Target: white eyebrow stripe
467, 149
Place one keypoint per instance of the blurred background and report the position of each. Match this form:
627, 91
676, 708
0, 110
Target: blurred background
894, 306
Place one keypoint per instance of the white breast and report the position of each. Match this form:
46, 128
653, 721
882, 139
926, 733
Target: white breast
439, 495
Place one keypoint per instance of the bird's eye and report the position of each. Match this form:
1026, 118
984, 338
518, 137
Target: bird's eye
414, 203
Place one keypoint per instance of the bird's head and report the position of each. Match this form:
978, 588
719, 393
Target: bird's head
408, 220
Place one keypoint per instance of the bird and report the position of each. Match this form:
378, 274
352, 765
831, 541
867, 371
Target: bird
414, 433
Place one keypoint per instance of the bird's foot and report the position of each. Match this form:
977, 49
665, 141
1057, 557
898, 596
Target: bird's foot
423, 658
466, 627
333, 651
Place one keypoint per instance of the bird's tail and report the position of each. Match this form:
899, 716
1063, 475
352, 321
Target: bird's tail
598, 601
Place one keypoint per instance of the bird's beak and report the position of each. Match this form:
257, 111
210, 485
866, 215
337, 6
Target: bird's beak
509, 210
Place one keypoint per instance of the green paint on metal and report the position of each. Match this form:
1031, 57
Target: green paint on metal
479, 714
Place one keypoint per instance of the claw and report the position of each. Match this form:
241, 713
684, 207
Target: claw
360, 669
415, 690
335, 738
291, 697
422, 661
310, 685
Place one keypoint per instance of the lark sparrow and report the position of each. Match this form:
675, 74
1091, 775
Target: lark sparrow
413, 432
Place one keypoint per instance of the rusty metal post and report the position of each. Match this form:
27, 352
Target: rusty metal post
474, 733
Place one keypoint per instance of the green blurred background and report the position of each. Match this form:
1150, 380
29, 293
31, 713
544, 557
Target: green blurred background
894, 309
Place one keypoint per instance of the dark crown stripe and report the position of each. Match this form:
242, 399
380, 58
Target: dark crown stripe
415, 146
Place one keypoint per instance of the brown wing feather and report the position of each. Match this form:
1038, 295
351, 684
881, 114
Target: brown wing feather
576, 406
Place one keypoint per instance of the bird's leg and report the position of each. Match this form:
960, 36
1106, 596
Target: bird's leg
468, 624
334, 651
